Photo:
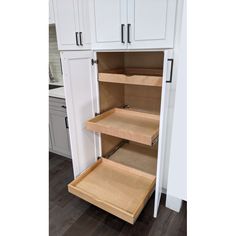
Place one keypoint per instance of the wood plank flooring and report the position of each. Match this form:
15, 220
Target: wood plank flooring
71, 216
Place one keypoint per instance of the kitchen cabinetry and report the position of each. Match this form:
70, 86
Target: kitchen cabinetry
58, 128
117, 109
72, 24
134, 24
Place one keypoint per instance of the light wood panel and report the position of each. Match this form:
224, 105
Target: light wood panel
131, 79
137, 156
115, 188
145, 98
108, 143
143, 71
111, 95
123, 123
110, 60
143, 59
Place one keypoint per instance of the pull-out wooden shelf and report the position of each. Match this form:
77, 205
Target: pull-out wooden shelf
131, 125
115, 188
146, 80
133, 76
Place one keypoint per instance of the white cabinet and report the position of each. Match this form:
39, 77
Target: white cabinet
80, 94
110, 18
72, 24
51, 13
58, 128
91, 88
134, 24
151, 23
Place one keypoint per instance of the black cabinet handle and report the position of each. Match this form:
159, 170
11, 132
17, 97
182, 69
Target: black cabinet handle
128, 33
76, 38
122, 33
80, 38
171, 70
63, 106
66, 122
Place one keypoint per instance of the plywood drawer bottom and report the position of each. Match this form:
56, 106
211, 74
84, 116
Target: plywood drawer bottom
120, 190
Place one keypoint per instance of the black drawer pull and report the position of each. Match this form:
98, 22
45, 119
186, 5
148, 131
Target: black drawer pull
63, 106
171, 70
122, 33
80, 38
66, 122
128, 33
76, 38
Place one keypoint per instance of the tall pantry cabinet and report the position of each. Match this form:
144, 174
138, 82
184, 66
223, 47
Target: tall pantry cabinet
117, 101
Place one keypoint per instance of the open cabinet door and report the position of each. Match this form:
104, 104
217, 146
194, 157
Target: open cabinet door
167, 79
80, 94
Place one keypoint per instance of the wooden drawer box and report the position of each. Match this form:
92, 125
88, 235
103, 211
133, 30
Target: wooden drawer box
123, 123
118, 189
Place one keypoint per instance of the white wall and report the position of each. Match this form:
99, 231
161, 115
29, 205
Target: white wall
177, 174
54, 56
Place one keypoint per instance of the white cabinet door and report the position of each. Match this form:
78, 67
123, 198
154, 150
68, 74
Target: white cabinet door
83, 8
167, 76
110, 18
51, 13
151, 23
81, 105
70, 16
59, 133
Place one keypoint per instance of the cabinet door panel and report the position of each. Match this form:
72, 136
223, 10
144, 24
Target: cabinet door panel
82, 12
59, 134
108, 17
80, 105
162, 138
66, 24
152, 23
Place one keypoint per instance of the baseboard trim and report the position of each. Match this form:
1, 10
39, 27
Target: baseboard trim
173, 203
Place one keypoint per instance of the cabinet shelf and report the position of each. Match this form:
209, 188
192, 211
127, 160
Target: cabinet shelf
135, 76
131, 125
120, 190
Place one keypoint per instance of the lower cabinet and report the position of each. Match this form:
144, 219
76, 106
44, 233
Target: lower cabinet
117, 111
58, 129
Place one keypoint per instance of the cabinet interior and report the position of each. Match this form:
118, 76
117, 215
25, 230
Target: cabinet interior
144, 97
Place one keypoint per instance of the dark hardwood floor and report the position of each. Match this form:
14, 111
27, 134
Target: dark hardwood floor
71, 216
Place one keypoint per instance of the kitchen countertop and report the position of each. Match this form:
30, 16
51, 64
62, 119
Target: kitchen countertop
57, 93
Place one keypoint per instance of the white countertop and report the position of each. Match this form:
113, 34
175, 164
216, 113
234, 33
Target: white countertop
57, 93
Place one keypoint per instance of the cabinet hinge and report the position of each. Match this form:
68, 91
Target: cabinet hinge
94, 61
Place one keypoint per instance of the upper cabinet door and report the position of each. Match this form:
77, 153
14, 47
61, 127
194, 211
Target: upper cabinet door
69, 23
110, 18
151, 23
